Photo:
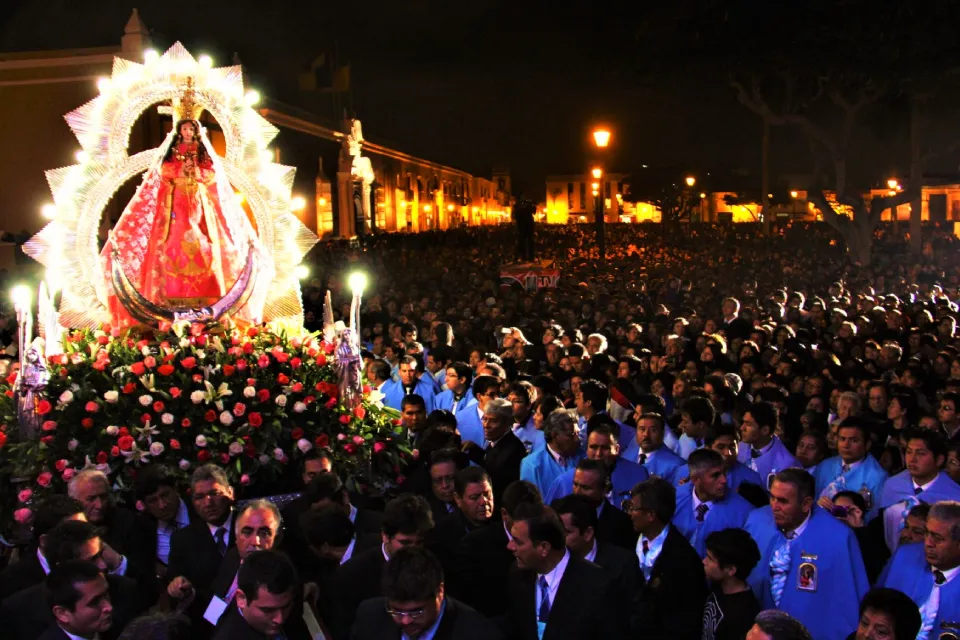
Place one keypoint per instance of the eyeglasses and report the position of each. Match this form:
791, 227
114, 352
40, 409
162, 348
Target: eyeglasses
413, 614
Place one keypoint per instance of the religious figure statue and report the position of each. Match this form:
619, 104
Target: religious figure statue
183, 240
348, 368
31, 382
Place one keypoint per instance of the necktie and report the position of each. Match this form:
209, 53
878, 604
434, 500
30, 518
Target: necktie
845, 468
930, 608
702, 511
645, 545
779, 569
220, 537
754, 453
544, 612
917, 491
699, 442
642, 458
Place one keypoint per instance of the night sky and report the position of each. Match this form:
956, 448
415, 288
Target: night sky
472, 84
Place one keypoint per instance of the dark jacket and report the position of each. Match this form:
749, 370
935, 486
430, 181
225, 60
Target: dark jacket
22, 574
615, 527
194, 555
459, 622
501, 462
670, 604
622, 566
480, 569
357, 580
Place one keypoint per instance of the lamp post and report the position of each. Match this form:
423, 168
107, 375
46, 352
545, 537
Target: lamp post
601, 139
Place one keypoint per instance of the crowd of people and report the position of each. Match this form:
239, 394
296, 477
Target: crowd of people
709, 434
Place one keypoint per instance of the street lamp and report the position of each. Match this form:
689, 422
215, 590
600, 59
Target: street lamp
601, 137
794, 194
691, 181
892, 183
597, 173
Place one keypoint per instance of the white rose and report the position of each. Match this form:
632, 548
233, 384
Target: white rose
249, 392
145, 352
66, 397
184, 465
304, 445
196, 397
112, 430
264, 459
281, 400
156, 448
73, 444
167, 418
184, 343
278, 454
200, 441
99, 333
299, 407
111, 396
226, 418
146, 400
235, 448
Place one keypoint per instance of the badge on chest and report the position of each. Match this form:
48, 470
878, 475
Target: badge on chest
807, 573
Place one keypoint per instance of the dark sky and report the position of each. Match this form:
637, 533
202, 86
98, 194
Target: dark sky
474, 84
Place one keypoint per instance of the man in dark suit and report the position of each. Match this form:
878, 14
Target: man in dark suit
670, 604
591, 480
732, 325
267, 590
407, 521
555, 595
26, 615
122, 533
415, 604
505, 452
442, 471
79, 600
165, 513
483, 562
32, 567
579, 518
474, 497
197, 550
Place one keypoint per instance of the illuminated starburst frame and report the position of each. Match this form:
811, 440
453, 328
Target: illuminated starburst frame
68, 245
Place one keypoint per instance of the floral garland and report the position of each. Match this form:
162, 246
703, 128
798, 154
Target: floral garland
189, 394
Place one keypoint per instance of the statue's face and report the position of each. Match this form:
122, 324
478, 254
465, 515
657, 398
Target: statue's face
187, 131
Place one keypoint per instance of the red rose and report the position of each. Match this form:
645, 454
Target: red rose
239, 409
360, 412
44, 407
189, 363
366, 388
63, 372
282, 379
123, 431
47, 440
322, 441
251, 382
297, 387
250, 450
130, 387
197, 378
114, 451
321, 360
196, 329
102, 457
201, 341
12, 378
125, 443
280, 356
185, 423
165, 369
296, 433
60, 465
263, 361
87, 423
295, 363
44, 479
3, 439
248, 348
150, 362
344, 419
8, 393
91, 407
310, 399
103, 340
331, 403
241, 365
101, 364
137, 369
252, 332
49, 425
203, 456
329, 347
228, 370
175, 392
158, 406
255, 419
174, 443
145, 418
263, 395
224, 458
210, 415
350, 449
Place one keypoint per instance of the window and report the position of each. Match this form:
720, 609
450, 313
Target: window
570, 196
583, 196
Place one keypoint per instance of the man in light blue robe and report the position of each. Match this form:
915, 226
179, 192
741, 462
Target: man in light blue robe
469, 423
520, 395
921, 482
723, 440
602, 444
561, 452
705, 504
458, 395
697, 416
591, 400
810, 566
408, 384
764, 453
652, 453
928, 573
853, 470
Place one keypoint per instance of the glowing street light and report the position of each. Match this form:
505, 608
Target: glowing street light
357, 281
322, 202
794, 194
601, 137
892, 183
597, 173
298, 203
21, 297
702, 196
427, 208
690, 180
595, 186
450, 207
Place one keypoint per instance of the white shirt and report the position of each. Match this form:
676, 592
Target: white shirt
349, 552
95, 636
507, 531
850, 465
553, 581
697, 502
592, 556
801, 528
165, 532
353, 513
654, 547
43, 563
923, 487
948, 575
556, 456
765, 449
383, 549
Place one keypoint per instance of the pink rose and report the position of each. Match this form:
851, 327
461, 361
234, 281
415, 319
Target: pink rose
358, 440
378, 447
239, 409
25, 495
68, 474
245, 479
44, 479
23, 516
140, 506
150, 361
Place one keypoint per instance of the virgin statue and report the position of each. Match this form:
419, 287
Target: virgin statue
183, 239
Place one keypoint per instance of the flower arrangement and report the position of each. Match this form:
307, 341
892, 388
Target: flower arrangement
188, 394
